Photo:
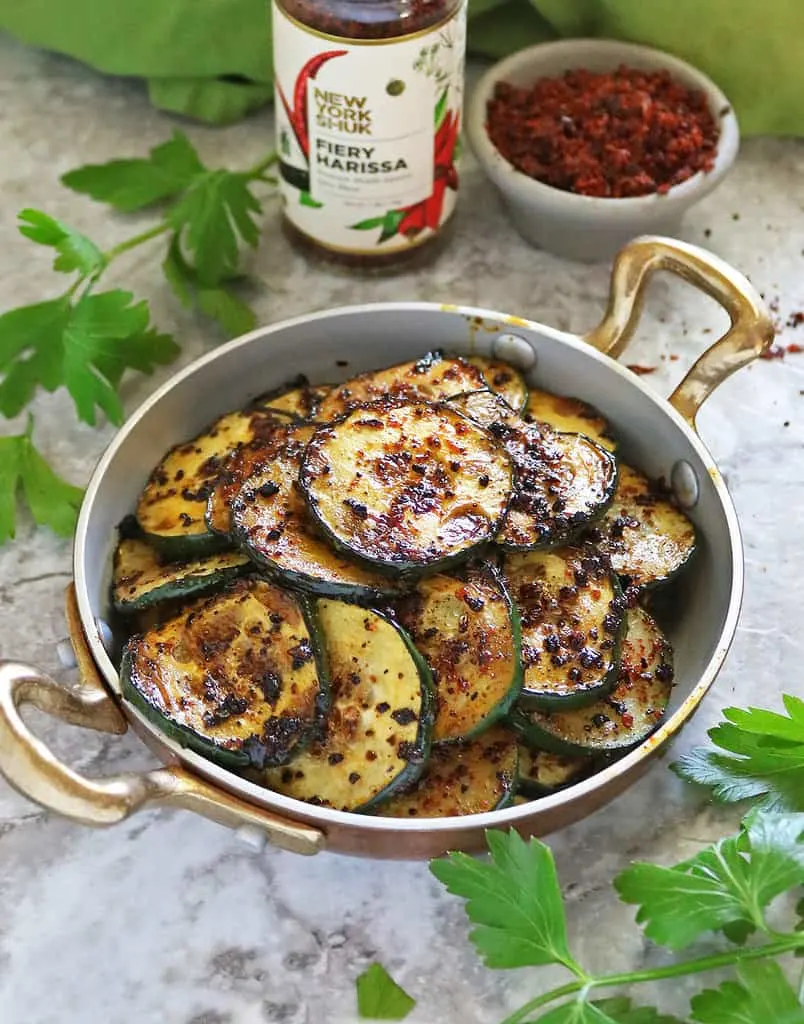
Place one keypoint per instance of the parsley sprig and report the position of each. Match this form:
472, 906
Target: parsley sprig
759, 756
86, 339
514, 898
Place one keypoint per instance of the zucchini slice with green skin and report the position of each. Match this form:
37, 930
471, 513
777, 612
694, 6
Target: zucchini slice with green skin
473, 777
378, 734
468, 633
237, 677
431, 378
503, 379
171, 509
246, 461
141, 579
562, 481
625, 718
646, 537
542, 772
406, 486
299, 398
271, 522
573, 619
569, 415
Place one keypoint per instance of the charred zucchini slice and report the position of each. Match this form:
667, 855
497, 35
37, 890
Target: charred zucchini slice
569, 415
542, 772
503, 379
573, 619
468, 632
141, 579
271, 522
562, 481
626, 717
430, 378
171, 508
242, 463
238, 677
299, 398
462, 778
377, 738
406, 486
646, 537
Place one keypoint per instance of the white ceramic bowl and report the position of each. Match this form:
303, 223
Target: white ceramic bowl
583, 227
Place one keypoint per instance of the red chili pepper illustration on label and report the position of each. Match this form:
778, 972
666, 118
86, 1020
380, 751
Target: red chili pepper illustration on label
412, 220
297, 114
427, 213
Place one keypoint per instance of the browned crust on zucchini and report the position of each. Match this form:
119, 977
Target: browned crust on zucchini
171, 509
431, 378
570, 415
503, 379
406, 486
234, 676
562, 481
573, 617
473, 777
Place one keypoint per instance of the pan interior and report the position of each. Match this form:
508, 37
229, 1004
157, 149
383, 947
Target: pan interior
700, 608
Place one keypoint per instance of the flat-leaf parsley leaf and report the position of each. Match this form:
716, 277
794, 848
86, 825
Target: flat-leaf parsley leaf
733, 880
130, 185
380, 998
75, 252
515, 900
212, 215
220, 302
53, 502
760, 756
762, 996
86, 346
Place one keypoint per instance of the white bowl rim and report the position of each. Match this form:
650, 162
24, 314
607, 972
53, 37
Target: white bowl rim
493, 161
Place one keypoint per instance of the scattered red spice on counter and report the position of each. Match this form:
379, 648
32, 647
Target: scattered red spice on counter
780, 351
640, 371
795, 319
614, 134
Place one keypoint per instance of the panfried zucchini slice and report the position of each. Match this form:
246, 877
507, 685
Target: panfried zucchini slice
569, 415
646, 537
431, 378
468, 632
378, 734
542, 772
406, 486
562, 481
238, 677
243, 462
140, 578
503, 379
625, 718
271, 522
463, 778
172, 507
573, 620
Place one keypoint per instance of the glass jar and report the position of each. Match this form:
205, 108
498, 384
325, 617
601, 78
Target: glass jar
369, 98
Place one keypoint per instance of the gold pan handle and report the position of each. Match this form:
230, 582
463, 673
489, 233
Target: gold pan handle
32, 768
750, 334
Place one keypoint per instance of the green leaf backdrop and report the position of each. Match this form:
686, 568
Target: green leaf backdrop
211, 59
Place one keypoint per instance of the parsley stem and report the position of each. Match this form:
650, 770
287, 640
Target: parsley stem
135, 240
705, 963
257, 170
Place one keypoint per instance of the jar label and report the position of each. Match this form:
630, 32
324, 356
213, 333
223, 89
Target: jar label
368, 133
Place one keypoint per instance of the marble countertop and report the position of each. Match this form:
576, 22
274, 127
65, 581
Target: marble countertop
169, 919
